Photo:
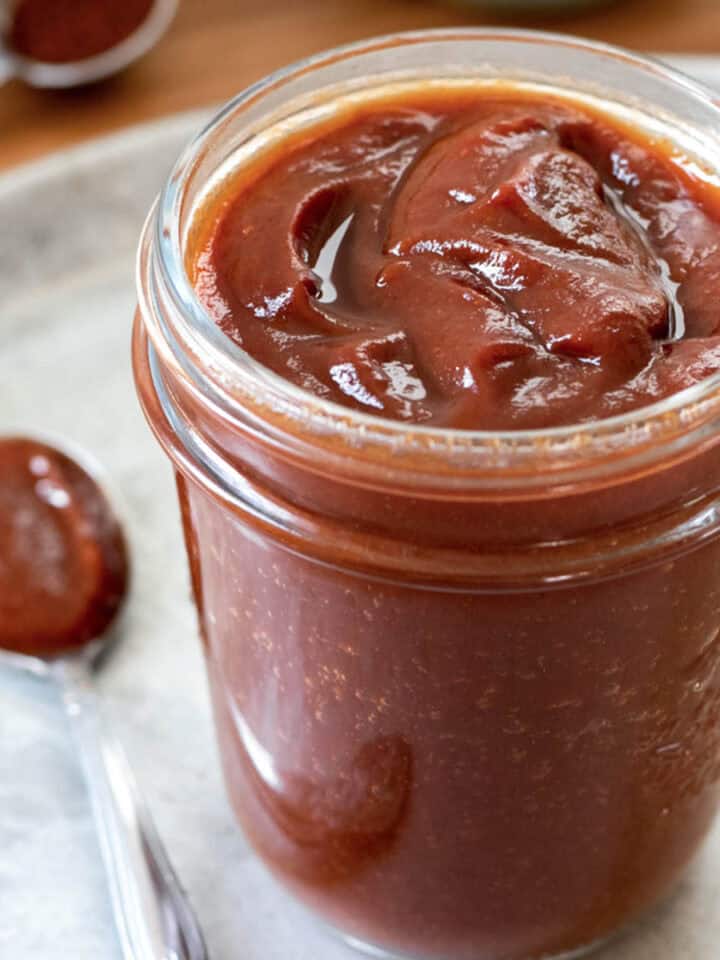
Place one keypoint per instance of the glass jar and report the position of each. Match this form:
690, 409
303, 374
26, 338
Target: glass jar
466, 684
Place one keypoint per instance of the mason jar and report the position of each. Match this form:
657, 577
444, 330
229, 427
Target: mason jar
465, 683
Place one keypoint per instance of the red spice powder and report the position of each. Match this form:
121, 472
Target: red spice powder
62, 31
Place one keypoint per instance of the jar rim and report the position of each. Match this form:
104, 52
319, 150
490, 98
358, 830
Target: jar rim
636, 439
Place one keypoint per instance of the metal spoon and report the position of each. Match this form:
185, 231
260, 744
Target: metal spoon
153, 916
57, 75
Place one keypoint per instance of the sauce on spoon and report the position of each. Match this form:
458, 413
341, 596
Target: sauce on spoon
63, 559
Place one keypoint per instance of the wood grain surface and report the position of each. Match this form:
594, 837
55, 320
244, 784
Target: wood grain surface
216, 47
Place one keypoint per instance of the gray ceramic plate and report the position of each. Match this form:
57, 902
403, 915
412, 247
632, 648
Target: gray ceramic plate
69, 230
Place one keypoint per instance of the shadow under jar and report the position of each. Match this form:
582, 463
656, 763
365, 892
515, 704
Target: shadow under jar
466, 684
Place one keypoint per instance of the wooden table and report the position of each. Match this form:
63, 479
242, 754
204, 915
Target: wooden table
216, 47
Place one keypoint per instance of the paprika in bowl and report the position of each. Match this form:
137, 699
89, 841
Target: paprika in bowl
425, 325
60, 32
67, 43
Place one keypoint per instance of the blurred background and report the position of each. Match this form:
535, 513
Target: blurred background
213, 48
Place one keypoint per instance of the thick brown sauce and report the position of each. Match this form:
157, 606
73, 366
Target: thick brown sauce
486, 260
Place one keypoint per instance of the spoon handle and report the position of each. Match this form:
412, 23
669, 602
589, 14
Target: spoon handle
153, 917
